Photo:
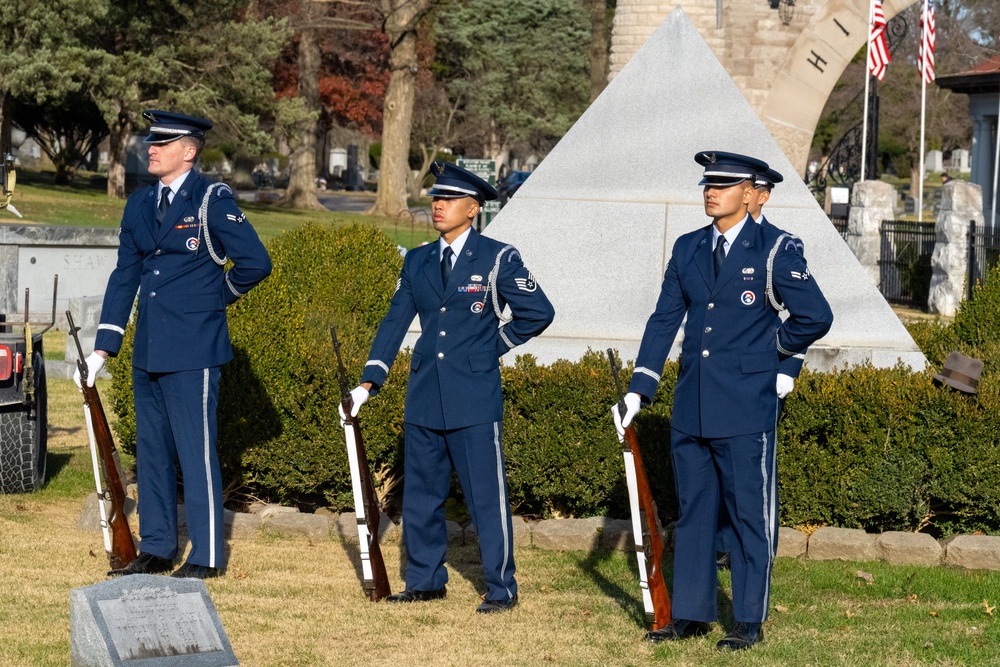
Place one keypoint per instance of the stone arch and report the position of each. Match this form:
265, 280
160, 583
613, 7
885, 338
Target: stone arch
786, 73
814, 64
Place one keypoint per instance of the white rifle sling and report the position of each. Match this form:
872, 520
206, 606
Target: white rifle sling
640, 551
359, 503
203, 221
97, 479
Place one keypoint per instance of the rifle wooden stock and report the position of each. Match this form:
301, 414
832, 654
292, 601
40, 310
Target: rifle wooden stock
645, 522
652, 543
375, 579
122, 545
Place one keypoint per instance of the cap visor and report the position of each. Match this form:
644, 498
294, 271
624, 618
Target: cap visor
721, 181
154, 138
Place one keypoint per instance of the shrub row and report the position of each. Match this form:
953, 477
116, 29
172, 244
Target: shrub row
880, 449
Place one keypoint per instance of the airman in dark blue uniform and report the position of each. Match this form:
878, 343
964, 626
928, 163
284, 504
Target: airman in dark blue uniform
730, 279
459, 287
175, 239
763, 185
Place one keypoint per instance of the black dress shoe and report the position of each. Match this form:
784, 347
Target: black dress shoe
742, 636
144, 564
192, 571
677, 629
413, 595
723, 561
494, 606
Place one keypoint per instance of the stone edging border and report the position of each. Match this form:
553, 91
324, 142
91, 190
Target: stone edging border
971, 552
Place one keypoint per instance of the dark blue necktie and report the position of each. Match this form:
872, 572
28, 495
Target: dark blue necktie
719, 256
446, 265
161, 209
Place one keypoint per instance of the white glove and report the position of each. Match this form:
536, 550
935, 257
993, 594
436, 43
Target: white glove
632, 404
784, 385
95, 362
358, 397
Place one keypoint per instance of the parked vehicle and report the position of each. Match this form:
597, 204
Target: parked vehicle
23, 401
511, 184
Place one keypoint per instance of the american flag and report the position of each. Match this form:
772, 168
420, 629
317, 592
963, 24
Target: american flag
878, 47
927, 42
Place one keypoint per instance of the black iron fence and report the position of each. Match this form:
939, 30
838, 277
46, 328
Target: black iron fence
984, 254
840, 222
905, 262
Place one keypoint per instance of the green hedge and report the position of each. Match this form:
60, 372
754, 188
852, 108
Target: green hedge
879, 449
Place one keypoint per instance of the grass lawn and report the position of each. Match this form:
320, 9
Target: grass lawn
297, 602
89, 207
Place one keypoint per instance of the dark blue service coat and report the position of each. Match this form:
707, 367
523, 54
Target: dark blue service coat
734, 343
183, 293
455, 368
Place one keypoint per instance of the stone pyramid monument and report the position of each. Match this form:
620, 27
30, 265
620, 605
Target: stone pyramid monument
597, 220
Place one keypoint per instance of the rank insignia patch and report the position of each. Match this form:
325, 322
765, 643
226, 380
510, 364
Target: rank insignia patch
526, 284
801, 275
747, 298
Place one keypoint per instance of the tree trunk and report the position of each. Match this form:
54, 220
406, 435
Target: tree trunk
397, 110
301, 191
428, 153
118, 136
599, 36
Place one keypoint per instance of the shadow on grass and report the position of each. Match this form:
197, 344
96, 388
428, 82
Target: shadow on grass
629, 597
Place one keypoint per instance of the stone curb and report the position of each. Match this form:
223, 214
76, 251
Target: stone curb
971, 552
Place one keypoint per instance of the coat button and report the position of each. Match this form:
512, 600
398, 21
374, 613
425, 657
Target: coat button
443, 309
440, 355
156, 272
704, 353
441, 334
158, 251
152, 294
711, 306
708, 329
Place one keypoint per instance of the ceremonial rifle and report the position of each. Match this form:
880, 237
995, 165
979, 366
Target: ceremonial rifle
119, 544
645, 522
375, 579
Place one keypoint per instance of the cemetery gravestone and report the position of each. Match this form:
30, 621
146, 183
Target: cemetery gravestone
149, 621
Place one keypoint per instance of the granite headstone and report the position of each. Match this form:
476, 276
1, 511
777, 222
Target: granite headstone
147, 621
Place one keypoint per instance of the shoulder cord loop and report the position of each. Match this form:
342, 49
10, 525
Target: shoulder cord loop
203, 221
491, 286
769, 289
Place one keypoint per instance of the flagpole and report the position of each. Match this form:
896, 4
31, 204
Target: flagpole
996, 167
868, 76
923, 113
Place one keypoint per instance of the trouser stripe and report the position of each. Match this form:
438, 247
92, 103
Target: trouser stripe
767, 490
502, 495
208, 470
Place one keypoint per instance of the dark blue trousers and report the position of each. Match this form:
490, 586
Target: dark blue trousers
476, 454
175, 421
740, 472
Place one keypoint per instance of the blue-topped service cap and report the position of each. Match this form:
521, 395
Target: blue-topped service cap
167, 126
727, 169
453, 182
768, 179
